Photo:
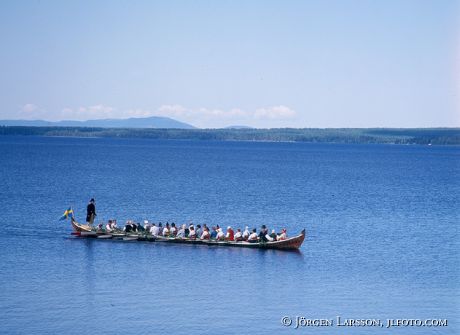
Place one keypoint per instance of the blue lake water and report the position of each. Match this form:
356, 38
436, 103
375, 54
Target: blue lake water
382, 224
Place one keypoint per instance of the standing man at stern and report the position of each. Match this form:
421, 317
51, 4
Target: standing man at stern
91, 211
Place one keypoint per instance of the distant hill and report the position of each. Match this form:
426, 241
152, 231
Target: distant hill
148, 122
238, 127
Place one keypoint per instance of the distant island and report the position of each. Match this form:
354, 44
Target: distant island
239, 127
424, 136
138, 122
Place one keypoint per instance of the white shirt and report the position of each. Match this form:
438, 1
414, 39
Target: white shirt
238, 235
165, 231
108, 228
269, 238
246, 233
204, 235
173, 230
154, 231
181, 233
252, 237
220, 235
282, 236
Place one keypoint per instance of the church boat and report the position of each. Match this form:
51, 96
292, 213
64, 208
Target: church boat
86, 231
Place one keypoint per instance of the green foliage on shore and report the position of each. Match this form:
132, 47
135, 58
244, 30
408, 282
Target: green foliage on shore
435, 136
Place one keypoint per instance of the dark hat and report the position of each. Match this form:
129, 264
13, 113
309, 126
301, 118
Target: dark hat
92, 200
254, 230
264, 227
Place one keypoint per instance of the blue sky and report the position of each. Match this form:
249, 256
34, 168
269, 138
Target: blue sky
219, 63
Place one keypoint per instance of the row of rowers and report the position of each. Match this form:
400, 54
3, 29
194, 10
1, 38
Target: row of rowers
201, 232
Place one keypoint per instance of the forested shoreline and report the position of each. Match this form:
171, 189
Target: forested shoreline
424, 136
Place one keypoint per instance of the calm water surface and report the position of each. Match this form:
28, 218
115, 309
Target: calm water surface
382, 241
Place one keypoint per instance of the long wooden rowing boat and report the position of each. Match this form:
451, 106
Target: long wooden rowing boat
292, 243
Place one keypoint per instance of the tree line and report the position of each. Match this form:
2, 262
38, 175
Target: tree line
435, 136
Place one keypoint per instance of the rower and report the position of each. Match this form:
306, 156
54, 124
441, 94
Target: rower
91, 212
187, 230
246, 233
205, 235
213, 233
108, 226
192, 232
253, 236
273, 235
198, 230
181, 232
154, 230
166, 230
263, 233
128, 226
282, 236
173, 230
220, 235
230, 234
160, 229
147, 225
238, 235
269, 238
